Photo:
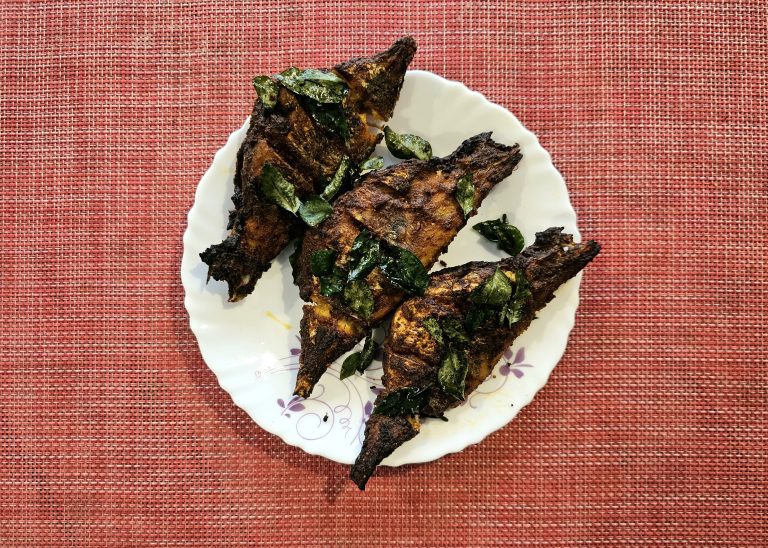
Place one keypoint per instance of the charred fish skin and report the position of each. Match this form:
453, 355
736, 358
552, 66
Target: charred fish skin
330, 334
390, 433
411, 205
412, 356
287, 137
376, 81
241, 259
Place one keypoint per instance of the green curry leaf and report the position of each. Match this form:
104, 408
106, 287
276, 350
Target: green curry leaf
515, 307
359, 298
404, 269
331, 117
267, 90
507, 237
359, 361
433, 326
338, 179
349, 366
406, 145
363, 256
465, 193
371, 164
278, 189
476, 316
453, 372
366, 354
333, 283
454, 331
323, 87
494, 292
314, 210
322, 262
450, 330
405, 401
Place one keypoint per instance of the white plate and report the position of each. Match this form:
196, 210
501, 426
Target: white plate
253, 347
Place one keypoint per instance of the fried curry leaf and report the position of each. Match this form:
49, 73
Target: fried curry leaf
405, 401
282, 192
338, 179
507, 237
323, 87
322, 262
367, 353
350, 364
359, 361
333, 283
515, 306
371, 164
476, 316
314, 210
406, 145
453, 372
494, 292
433, 326
359, 298
278, 189
267, 90
491, 294
465, 193
363, 256
329, 116
450, 330
404, 269
454, 331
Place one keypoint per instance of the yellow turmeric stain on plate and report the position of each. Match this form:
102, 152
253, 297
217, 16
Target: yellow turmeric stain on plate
271, 316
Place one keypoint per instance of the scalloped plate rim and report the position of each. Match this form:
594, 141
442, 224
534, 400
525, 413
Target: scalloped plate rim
468, 439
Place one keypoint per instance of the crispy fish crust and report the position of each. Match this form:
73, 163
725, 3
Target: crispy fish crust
412, 356
410, 205
287, 137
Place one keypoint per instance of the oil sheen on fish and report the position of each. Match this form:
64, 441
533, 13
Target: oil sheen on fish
412, 206
289, 135
413, 356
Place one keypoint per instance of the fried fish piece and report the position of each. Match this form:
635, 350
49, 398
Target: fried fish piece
412, 355
411, 205
307, 153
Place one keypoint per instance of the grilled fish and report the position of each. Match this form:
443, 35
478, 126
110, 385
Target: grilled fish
412, 355
290, 137
411, 205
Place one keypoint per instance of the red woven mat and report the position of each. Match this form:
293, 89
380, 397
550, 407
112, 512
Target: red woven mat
652, 428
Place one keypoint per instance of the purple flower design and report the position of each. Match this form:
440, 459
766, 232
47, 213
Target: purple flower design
294, 404
315, 417
515, 365
296, 351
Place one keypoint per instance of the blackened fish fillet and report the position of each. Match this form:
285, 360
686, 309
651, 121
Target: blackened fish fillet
411, 205
307, 154
412, 355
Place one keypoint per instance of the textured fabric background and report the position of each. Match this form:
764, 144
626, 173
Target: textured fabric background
652, 428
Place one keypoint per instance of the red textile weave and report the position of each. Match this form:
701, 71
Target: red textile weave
652, 429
